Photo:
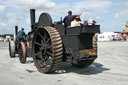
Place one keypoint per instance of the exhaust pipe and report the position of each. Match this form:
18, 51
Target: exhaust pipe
16, 30
32, 17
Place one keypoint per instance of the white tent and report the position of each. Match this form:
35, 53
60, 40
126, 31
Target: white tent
108, 36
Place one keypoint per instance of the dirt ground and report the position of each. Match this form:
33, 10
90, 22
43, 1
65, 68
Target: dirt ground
110, 68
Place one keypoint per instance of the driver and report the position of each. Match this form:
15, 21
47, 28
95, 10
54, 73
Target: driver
21, 35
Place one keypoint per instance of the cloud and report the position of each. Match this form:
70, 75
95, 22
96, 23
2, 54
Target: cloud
97, 17
125, 3
92, 6
20, 15
2, 8
117, 15
15, 12
27, 4
120, 13
88, 8
3, 16
123, 13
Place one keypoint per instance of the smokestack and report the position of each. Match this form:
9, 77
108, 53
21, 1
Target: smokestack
32, 17
16, 30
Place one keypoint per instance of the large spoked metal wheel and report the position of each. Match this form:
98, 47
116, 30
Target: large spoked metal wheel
12, 49
22, 52
86, 63
47, 49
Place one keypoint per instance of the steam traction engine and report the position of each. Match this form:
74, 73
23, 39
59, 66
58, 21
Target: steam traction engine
53, 43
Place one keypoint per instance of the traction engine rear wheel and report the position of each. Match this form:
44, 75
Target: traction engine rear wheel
22, 53
47, 49
86, 63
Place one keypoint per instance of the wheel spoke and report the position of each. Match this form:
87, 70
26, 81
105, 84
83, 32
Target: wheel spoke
37, 43
39, 55
42, 63
45, 37
48, 40
40, 35
42, 43
49, 47
49, 53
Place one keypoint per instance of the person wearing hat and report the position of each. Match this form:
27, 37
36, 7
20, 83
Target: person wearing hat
75, 22
21, 35
68, 19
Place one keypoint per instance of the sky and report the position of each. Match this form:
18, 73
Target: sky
110, 14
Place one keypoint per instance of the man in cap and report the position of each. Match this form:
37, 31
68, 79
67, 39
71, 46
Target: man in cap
69, 18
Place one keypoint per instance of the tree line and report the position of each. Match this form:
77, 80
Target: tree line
4, 35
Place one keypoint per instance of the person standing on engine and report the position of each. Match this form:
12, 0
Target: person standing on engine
21, 35
68, 19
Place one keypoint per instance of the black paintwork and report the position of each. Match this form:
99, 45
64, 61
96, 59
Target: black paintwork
32, 17
74, 38
45, 20
16, 40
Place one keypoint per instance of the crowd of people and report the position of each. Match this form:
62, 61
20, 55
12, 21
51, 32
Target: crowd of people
123, 36
69, 21
74, 20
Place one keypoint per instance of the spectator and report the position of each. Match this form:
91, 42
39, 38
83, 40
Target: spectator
75, 22
91, 22
85, 22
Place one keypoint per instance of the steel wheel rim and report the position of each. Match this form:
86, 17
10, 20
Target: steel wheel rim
42, 50
9, 49
21, 54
